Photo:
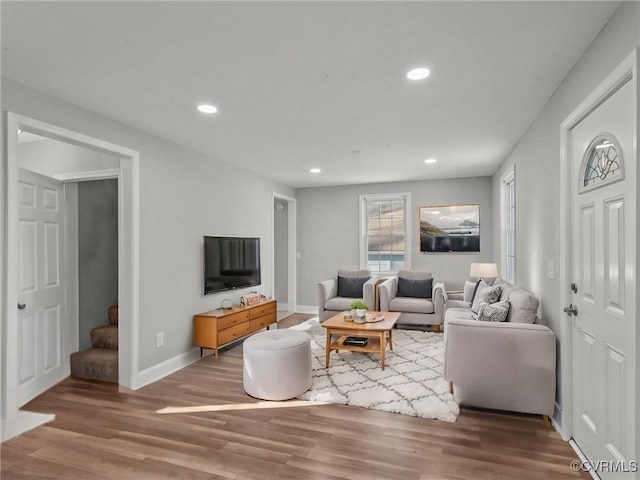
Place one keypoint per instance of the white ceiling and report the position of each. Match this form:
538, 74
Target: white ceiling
303, 84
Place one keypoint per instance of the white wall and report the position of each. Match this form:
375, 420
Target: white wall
97, 255
183, 196
51, 157
328, 229
537, 160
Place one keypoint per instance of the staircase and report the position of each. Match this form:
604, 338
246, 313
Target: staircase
101, 361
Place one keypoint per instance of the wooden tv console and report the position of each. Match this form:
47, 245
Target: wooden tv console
218, 328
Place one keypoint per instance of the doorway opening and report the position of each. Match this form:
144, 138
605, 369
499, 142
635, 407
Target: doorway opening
284, 254
126, 175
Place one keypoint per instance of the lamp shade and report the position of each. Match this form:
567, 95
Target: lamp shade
484, 270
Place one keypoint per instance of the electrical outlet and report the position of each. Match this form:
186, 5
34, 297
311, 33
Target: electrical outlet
160, 340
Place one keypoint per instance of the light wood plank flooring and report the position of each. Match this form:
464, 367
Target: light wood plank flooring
102, 431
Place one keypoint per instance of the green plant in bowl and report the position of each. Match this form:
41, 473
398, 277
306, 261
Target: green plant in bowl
359, 311
358, 305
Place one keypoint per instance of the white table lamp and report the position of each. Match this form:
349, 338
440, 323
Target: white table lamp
483, 270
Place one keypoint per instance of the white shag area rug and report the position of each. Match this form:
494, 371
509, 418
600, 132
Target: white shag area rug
412, 382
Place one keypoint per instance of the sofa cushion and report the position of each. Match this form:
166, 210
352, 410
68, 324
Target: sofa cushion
411, 305
415, 288
458, 304
351, 287
507, 290
488, 295
338, 303
524, 306
495, 312
459, 313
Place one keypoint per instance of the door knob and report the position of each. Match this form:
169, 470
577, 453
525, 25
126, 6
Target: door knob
571, 310
22, 306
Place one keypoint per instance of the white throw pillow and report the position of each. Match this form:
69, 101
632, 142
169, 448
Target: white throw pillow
496, 312
469, 289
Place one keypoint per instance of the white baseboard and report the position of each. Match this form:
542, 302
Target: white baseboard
22, 421
556, 421
583, 459
308, 309
161, 370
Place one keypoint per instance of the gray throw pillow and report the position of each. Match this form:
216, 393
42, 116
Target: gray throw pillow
415, 288
351, 287
496, 312
488, 295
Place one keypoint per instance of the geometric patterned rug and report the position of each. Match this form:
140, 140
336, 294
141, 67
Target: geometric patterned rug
412, 382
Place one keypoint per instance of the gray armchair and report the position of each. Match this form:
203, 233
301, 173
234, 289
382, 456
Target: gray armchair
351, 284
418, 308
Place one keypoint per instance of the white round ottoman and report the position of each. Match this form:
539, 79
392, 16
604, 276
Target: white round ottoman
276, 364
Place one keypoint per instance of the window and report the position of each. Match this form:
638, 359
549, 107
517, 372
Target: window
385, 232
508, 205
602, 163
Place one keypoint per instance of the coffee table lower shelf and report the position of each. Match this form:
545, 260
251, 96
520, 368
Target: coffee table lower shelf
377, 343
372, 346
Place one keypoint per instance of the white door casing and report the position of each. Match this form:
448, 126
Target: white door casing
15, 421
599, 389
291, 249
42, 316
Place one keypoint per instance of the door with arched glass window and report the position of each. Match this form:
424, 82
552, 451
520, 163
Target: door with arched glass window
603, 282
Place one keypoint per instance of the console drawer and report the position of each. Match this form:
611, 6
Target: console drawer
231, 320
263, 322
262, 310
232, 333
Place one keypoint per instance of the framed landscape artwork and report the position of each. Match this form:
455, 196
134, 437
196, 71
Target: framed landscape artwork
450, 228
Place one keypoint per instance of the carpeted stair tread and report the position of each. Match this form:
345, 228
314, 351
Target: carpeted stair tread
95, 364
112, 314
105, 337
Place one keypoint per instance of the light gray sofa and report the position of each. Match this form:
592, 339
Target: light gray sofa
330, 304
415, 312
507, 365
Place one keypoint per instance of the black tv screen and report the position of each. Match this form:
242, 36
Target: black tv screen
230, 263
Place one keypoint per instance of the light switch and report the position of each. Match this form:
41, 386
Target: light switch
551, 270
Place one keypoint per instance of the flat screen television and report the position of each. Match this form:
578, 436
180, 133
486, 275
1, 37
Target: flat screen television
230, 263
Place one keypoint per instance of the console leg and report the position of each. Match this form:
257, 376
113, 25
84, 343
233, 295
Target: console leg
451, 388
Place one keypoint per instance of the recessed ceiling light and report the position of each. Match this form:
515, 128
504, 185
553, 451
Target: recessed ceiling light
204, 108
430, 160
315, 170
418, 73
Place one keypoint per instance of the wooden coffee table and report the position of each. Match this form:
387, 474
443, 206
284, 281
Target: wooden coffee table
379, 334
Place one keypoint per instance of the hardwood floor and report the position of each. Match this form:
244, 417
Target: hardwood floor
102, 431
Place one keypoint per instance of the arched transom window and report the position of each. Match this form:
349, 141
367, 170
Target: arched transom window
602, 163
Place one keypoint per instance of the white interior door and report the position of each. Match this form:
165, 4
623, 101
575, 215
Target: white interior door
603, 256
41, 284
